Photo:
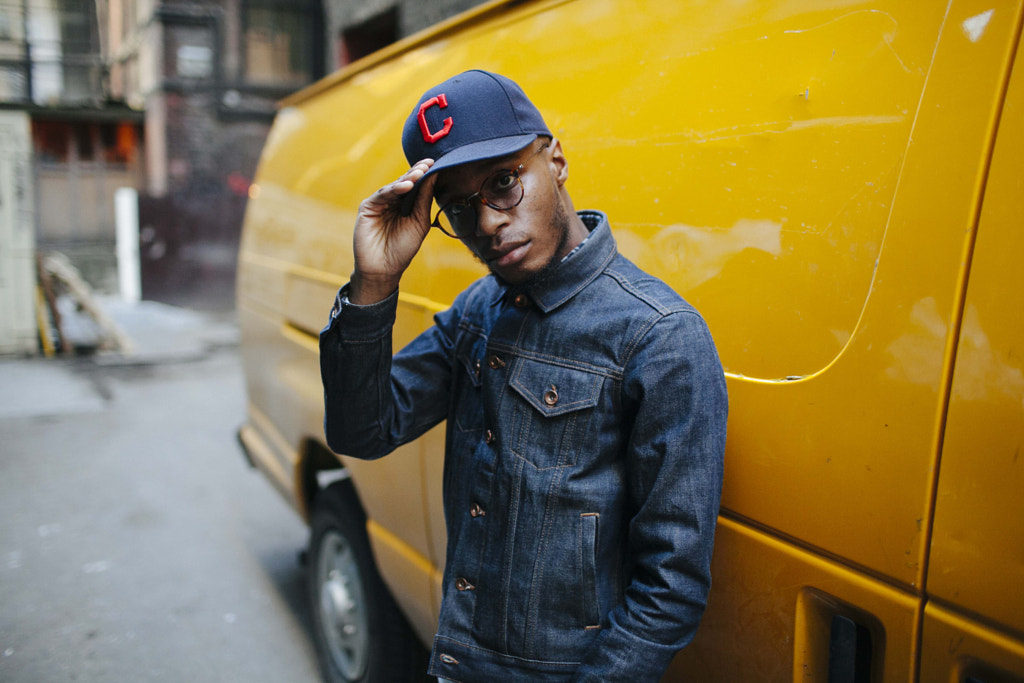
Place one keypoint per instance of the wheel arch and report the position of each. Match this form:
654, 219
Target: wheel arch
316, 469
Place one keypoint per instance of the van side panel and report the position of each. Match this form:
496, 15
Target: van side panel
959, 649
291, 263
976, 570
750, 157
843, 459
770, 610
806, 174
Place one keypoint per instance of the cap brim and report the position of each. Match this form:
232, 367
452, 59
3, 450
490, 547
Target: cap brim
477, 151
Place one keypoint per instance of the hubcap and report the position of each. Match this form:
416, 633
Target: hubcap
342, 606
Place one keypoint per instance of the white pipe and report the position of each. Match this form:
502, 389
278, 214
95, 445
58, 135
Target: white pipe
126, 212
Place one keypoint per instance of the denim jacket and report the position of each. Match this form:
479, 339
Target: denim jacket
586, 420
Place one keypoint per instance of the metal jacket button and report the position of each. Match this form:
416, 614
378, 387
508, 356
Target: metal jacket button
520, 301
495, 362
551, 396
448, 659
476, 511
488, 436
463, 585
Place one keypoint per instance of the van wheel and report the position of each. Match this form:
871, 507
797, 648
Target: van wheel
361, 636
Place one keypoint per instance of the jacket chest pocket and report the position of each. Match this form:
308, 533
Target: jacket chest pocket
553, 409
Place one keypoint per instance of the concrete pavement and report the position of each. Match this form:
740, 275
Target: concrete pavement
135, 544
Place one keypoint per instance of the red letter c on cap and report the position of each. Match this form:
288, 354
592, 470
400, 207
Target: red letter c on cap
442, 102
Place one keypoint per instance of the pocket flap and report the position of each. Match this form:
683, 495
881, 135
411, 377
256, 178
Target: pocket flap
553, 389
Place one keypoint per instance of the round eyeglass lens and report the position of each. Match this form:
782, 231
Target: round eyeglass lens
458, 220
502, 191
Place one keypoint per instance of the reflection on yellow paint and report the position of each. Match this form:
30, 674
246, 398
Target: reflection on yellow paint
696, 255
916, 355
288, 122
981, 375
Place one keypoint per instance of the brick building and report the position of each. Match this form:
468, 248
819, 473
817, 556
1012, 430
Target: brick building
355, 28
83, 145
207, 74
174, 98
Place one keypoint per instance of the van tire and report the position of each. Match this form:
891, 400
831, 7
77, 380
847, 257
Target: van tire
360, 634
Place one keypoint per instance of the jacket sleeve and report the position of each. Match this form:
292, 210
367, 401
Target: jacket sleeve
675, 461
374, 402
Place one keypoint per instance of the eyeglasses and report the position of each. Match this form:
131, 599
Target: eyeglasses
502, 191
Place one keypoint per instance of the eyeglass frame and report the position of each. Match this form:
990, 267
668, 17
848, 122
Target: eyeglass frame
436, 223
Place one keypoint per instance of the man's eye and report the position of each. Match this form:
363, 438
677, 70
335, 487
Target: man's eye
504, 182
455, 209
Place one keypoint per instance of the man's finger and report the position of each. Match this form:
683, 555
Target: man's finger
406, 182
425, 197
416, 171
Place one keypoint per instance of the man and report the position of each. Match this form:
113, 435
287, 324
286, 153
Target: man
584, 400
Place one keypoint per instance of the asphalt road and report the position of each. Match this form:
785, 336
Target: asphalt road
135, 543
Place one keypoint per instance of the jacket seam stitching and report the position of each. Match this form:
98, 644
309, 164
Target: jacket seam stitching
477, 648
613, 373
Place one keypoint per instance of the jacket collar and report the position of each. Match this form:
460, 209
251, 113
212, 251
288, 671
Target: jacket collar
575, 272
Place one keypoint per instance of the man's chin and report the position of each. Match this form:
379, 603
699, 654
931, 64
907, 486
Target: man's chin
528, 278
512, 280
513, 275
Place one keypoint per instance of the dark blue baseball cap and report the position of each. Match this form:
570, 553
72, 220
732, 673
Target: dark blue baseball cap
470, 117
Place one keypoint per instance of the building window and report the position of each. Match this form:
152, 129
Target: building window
49, 52
195, 61
58, 142
361, 39
13, 83
14, 66
279, 42
190, 49
7, 23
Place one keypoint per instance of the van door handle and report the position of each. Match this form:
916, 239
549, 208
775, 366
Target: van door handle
849, 651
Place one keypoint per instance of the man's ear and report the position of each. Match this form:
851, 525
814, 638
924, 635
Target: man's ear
559, 164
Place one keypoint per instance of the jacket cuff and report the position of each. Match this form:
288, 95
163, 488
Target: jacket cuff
354, 323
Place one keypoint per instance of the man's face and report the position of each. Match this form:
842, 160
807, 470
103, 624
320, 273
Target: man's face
516, 244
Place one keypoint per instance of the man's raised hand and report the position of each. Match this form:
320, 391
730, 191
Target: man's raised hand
385, 241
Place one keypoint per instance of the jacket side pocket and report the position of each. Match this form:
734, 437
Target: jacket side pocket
588, 569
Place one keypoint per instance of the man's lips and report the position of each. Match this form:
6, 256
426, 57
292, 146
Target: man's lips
508, 254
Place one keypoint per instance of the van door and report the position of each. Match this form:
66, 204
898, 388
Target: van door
974, 619
828, 500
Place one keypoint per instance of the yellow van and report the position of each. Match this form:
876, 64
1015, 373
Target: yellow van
839, 188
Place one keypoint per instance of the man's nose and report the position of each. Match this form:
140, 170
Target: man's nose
488, 219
